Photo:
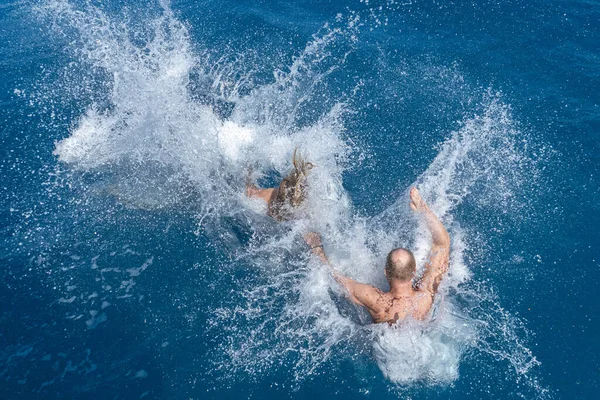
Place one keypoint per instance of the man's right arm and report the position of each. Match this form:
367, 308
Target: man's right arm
360, 293
439, 254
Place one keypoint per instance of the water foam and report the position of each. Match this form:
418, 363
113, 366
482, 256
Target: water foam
152, 133
314, 324
151, 122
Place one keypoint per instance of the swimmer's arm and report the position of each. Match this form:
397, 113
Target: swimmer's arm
439, 254
263, 194
360, 293
435, 268
253, 191
313, 240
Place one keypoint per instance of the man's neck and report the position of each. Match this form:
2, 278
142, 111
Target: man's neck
398, 288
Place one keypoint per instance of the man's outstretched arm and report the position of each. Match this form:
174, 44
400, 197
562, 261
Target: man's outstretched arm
439, 254
360, 293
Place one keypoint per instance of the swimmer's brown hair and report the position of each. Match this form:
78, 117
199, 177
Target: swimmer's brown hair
292, 189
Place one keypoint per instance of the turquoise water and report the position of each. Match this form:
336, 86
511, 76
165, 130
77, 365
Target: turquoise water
133, 266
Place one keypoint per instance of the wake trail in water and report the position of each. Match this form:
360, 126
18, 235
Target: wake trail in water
152, 145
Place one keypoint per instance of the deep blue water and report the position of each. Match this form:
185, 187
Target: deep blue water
113, 284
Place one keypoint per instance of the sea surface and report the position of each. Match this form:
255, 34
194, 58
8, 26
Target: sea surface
133, 266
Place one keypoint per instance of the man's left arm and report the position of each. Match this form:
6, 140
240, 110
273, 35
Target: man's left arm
439, 254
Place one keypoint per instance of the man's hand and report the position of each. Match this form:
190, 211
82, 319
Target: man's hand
416, 201
313, 239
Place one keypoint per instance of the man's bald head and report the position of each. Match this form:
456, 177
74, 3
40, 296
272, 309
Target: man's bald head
400, 265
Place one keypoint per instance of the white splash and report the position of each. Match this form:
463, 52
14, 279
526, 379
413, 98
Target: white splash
234, 139
155, 138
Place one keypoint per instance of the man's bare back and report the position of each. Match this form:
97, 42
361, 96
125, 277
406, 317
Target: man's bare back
390, 308
403, 300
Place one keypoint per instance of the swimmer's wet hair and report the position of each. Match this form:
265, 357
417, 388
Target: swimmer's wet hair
292, 189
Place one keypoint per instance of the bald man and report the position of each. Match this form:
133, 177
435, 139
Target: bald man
403, 299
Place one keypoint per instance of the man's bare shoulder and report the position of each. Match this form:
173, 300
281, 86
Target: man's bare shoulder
416, 305
371, 297
370, 292
422, 303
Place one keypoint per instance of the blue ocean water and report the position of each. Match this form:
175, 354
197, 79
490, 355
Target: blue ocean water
133, 267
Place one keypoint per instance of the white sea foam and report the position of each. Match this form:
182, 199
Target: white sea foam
313, 324
152, 134
234, 139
